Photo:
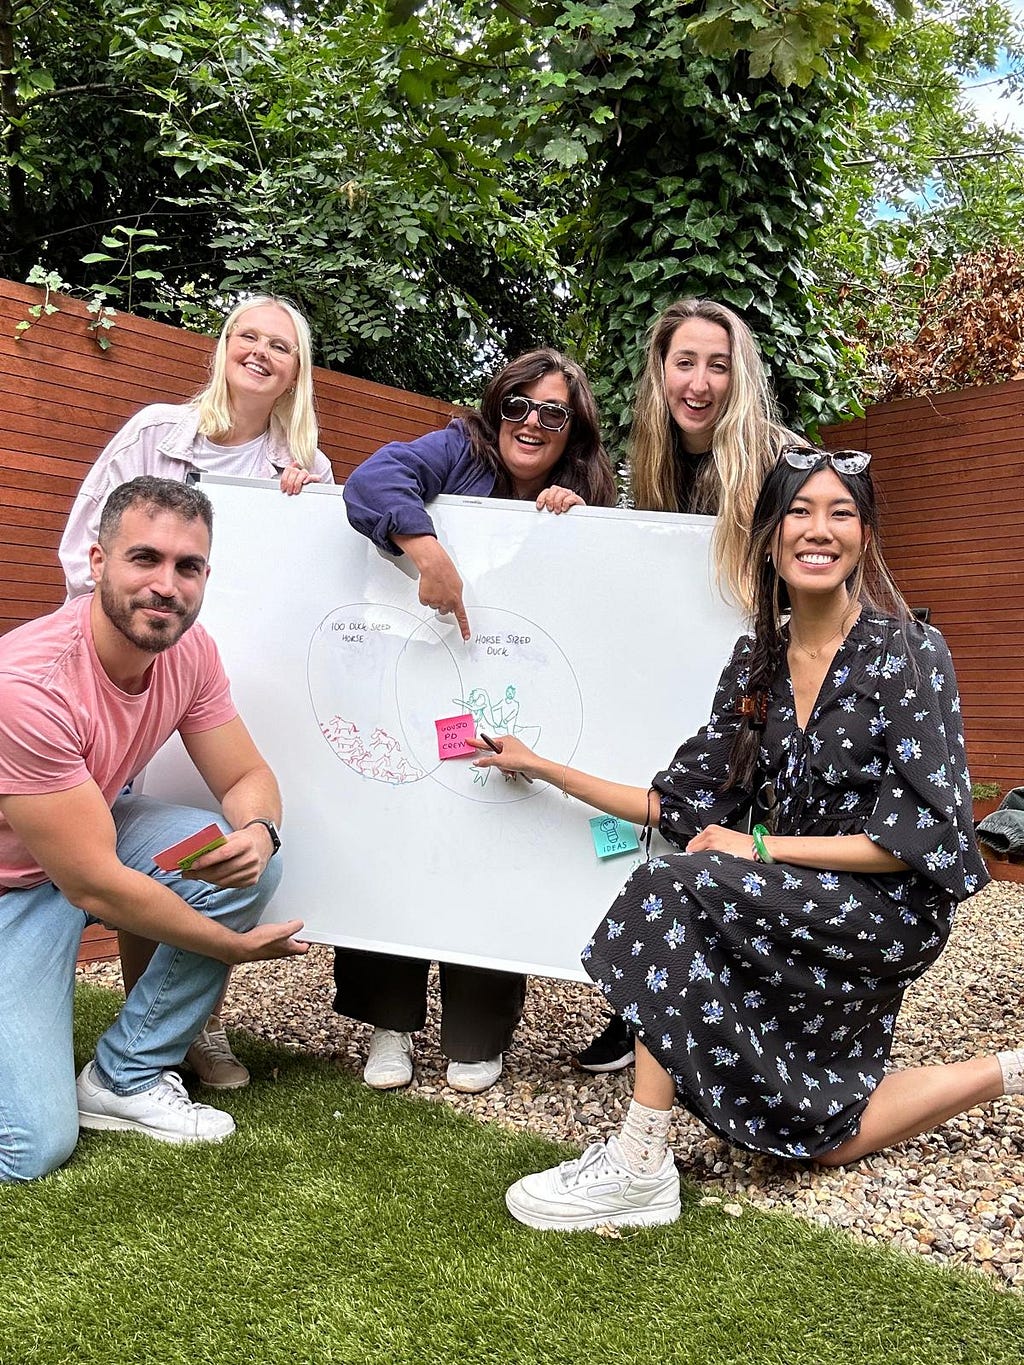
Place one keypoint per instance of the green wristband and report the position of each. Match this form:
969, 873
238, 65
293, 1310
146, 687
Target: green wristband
759, 833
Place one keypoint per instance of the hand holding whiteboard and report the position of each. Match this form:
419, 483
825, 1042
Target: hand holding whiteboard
388, 847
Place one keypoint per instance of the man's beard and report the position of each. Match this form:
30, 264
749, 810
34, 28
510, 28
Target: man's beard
158, 635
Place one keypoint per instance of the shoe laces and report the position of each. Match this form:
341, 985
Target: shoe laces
170, 1090
214, 1044
594, 1164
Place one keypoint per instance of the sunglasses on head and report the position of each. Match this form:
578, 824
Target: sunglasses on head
842, 461
551, 416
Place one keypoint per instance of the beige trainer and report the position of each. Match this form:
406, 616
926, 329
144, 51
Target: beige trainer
212, 1060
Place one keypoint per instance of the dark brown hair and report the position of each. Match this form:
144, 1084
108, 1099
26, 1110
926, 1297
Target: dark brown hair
584, 466
161, 495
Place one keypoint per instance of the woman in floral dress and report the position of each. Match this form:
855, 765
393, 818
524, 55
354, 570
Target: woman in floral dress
764, 972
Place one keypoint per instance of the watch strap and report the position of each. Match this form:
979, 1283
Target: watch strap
271, 829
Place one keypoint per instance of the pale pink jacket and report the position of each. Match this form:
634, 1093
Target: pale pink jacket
160, 440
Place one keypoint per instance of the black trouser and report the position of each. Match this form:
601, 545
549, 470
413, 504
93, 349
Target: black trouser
479, 1008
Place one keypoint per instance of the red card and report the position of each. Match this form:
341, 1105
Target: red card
173, 859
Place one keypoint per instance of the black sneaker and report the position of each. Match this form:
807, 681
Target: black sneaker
610, 1050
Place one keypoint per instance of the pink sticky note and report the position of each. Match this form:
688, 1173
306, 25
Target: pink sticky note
452, 733
180, 856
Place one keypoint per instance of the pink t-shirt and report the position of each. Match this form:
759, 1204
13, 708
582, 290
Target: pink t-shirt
62, 721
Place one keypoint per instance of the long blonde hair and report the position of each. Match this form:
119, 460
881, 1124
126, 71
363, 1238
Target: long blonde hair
293, 419
744, 444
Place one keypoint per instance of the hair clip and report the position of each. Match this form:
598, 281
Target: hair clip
754, 710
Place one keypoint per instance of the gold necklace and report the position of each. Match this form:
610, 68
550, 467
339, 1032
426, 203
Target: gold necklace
813, 653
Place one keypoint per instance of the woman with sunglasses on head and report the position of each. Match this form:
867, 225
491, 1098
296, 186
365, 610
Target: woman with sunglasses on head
535, 437
255, 419
706, 430
764, 972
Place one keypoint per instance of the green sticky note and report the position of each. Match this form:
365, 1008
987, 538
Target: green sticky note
185, 864
612, 836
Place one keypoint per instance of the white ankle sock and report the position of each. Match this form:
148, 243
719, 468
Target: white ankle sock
644, 1138
1012, 1066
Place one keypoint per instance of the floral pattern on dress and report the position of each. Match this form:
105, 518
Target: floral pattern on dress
771, 992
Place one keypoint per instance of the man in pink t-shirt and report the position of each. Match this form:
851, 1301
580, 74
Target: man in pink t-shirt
87, 696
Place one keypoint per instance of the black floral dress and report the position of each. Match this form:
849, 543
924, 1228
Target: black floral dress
770, 992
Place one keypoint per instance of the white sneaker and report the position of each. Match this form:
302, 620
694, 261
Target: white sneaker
595, 1190
389, 1060
472, 1077
164, 1112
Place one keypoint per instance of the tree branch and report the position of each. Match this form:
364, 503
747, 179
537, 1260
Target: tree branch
937, 156
93, 88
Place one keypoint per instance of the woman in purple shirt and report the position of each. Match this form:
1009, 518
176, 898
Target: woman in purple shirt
535, 437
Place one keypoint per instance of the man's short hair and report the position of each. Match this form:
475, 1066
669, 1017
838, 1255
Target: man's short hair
160, 495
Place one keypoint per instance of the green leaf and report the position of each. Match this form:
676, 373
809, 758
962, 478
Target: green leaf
739, 298
565, 151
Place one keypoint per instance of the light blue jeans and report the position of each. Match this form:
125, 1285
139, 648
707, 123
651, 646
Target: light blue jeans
39, 937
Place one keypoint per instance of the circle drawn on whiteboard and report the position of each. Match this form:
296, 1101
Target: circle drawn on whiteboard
513, 679
350, 671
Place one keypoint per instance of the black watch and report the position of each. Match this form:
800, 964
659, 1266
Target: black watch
271, 829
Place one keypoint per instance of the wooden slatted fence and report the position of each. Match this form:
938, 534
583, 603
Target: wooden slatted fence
951, 472
950, 468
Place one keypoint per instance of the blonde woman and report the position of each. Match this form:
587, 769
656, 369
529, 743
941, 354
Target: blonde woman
255, 419
706, 431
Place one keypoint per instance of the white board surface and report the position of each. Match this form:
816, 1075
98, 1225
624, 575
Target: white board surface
597, 637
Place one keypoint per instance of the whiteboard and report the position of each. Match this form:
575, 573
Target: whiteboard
598, 637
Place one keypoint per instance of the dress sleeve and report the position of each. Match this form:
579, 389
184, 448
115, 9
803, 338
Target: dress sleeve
385, 495
923, 812
689, 786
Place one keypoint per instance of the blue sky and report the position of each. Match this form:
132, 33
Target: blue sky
986, 93
990, 103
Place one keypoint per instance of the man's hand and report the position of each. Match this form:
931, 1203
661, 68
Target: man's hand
268, 941
240, 860
88, 872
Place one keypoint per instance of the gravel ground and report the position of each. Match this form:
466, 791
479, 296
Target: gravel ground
955, 1195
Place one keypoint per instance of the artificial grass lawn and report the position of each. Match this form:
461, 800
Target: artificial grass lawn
339, 1225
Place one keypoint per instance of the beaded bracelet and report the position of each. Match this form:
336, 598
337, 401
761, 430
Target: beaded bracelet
761, 855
